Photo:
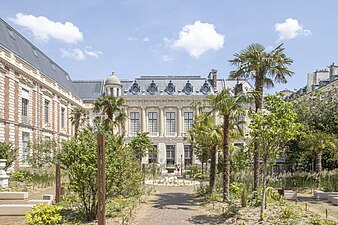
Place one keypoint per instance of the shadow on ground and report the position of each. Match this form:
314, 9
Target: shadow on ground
177, 200
207, 219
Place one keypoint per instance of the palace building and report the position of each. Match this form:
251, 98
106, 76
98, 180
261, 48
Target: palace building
37, 96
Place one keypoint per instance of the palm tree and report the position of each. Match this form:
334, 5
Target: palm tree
264, 68
230, 108
113, 108
206, 135
78, 118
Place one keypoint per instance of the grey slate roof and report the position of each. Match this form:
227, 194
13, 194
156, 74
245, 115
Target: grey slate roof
89, 90
21, 47
162, 82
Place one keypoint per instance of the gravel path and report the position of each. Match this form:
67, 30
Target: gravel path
172, 205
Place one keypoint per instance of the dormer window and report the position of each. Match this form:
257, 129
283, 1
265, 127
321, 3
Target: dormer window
152, 89
188, 89
53, 66
170, 89
135, 89
205, 89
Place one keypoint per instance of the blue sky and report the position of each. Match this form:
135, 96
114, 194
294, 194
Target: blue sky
190, 37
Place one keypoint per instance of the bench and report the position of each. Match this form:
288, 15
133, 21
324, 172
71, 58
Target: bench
15, 209
13, 195
331, 196
335, 200
38, 201
323, 195
290, 195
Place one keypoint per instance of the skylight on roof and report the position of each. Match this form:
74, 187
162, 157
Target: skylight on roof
35, 52
53, 66
11, 32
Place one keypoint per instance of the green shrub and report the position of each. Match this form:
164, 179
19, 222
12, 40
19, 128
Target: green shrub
8, 152
316, 220
203, 191
44, 214
117, 205
198, 176
235, 189
18, 176
288, 213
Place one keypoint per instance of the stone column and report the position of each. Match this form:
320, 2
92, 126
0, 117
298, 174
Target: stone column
143, 119
161, 123
126, 122
179, 121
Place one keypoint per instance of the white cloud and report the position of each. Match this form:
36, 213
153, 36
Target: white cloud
167, 58
132, 39
290, 29
75, 53
198, 38
146, 39
79, 54
92, 53
44, 29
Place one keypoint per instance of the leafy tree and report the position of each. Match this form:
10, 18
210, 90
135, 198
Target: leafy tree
206, 136
319, 110
239, 158
8, 152
113, 108
270, 132
141, 144
44, 153
78, 118
264, 68
199, 148
230, 108
79, 160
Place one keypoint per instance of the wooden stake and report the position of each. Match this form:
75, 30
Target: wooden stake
101, 180
57, 182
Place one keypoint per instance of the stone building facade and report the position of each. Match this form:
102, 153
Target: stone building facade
37, 96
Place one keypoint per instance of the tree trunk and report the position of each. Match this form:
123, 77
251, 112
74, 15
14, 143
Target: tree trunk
319, 159
226, 160
202, 166
259, 84
212, 168
265, 169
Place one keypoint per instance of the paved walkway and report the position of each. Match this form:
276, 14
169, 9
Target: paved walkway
172, 205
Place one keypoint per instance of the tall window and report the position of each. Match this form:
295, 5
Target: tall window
134, 122
170, 154
152, 123
62, 117
152, 154
170, 125
25, 147
46, 111
187, 155
24, 110
188, 121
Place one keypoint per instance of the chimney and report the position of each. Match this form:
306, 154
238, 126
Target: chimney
214, 78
